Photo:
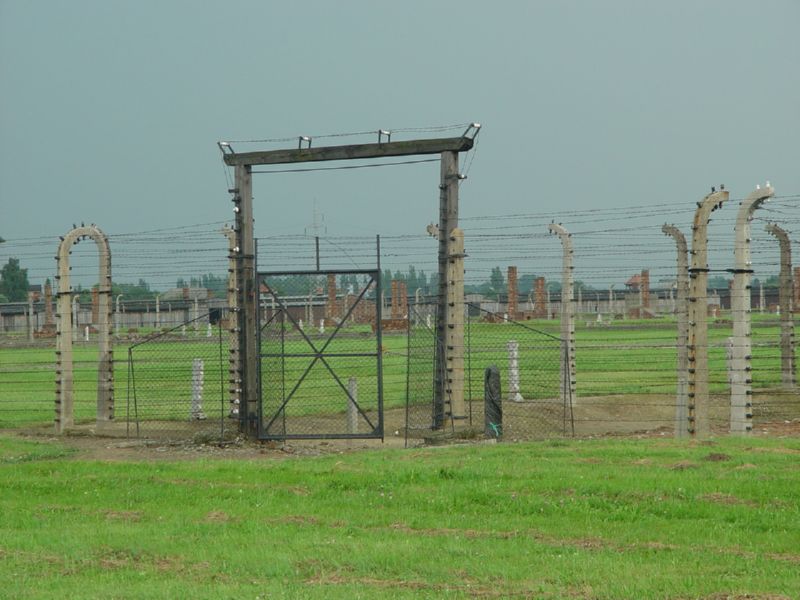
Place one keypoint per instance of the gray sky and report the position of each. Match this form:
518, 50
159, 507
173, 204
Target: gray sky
110, 110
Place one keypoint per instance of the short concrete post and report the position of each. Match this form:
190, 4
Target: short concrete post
197, 413
492, 403
513, 371
208, 330
352, 405
86, 334
158, 311
322, 325
30, 317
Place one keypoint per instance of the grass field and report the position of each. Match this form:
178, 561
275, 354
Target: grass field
600, 519
625, 357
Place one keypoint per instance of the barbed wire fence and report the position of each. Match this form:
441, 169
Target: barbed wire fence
626, 376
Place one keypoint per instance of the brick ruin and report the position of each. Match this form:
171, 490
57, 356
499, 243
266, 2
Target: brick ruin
796, 280
539, 299
513, 294
331, 308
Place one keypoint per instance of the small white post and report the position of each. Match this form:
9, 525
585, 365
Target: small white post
300, 324
208, 330
86, 333
158, 311
30, 317
195, 316
197, 413
513, 371
183, 330
428, 321
322, 325
352, 401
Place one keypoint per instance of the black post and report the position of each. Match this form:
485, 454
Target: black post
492, 403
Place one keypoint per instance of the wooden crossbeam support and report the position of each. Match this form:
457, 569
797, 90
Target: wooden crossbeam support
349, 152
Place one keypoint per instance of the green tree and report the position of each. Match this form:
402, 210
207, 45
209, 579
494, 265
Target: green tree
14, 281
496, 280
770, 282
718, 282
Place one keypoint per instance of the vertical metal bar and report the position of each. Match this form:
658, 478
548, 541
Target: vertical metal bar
257, 334
469, 361
378, 331
221, 385
316, 252
283, 367
128, 397
409, 351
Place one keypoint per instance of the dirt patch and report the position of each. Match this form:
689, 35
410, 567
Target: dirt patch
735, 596
443, 531
471, 589
716, 457
778, 450
131, 516
217, 516
297, 520
745, 467
683, 465
728, 499
657, 546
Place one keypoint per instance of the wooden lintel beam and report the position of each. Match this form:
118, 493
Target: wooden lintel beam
356, 151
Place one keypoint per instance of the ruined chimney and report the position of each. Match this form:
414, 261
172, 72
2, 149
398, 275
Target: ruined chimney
540, 299
330, 307
645, 290
512, 293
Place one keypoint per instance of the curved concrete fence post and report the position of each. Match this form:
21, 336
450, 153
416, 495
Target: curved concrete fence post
568, 393
741, 352
105, 369
682, 316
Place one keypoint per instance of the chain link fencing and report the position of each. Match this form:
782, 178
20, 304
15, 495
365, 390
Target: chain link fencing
177, 383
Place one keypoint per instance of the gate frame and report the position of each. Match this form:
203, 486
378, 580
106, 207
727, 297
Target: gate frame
378, 431
245, 248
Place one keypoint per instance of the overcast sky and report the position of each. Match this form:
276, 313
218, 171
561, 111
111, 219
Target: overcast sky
110, 111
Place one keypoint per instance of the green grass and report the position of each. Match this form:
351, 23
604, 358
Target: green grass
601, 519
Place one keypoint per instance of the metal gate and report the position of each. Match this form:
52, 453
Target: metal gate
321, 374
